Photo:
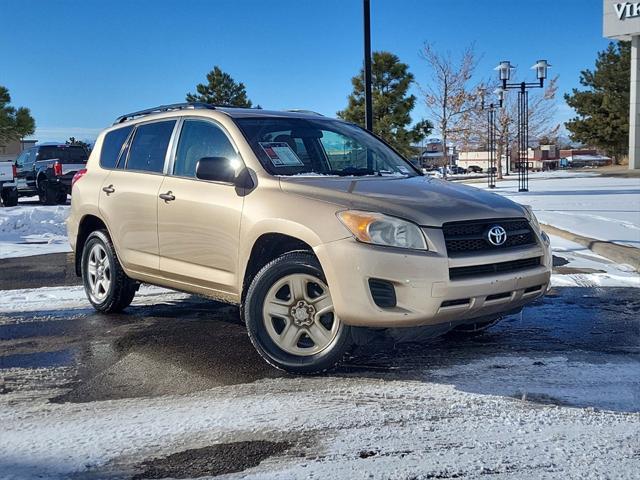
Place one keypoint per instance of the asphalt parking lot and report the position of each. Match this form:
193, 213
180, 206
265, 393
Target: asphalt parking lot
193, 345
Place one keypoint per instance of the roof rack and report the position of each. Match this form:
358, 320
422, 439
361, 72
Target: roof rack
298, 110
164, 108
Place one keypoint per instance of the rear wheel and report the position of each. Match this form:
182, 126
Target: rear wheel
291, 319
47, 193
10, 197
61, 196
107, 286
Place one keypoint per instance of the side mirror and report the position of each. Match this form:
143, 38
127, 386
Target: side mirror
216, 169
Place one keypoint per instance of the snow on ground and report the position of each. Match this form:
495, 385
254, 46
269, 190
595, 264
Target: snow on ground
353, 427
592, 270
65, 298
33, 230
604, 208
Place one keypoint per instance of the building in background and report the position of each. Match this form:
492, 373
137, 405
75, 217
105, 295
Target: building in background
621, 21
12, 149
583, 157
433, 156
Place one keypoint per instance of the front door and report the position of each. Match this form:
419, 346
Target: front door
199, 221
129, 197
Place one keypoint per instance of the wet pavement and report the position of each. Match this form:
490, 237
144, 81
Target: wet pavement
193, 344
196, 344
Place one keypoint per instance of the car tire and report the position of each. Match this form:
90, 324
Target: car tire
61, 196
10, 197
107, 286
47, 193
290, 319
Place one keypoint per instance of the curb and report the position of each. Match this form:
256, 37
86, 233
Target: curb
612, 251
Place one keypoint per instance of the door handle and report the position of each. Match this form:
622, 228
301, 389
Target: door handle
108, 190
167, 197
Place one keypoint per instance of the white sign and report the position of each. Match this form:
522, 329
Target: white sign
627, 10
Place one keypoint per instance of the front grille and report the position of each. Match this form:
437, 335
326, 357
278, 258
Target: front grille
456, 273
471, 236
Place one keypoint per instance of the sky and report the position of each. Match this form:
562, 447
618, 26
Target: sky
79, 64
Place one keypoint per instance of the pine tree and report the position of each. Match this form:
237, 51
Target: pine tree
603, 107
392, 105
75, 141
15, 123
220, 89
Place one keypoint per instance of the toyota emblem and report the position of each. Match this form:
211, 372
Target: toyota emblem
496, 235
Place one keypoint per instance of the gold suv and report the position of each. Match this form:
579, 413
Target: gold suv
314, 226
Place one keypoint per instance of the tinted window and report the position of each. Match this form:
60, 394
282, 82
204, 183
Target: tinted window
64, 153
149, 146
200, 139
112, 146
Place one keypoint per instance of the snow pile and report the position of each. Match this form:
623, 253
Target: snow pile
33, 230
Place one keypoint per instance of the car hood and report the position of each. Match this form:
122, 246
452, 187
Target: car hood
424, 200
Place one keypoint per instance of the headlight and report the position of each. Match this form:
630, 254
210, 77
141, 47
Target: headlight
380, 229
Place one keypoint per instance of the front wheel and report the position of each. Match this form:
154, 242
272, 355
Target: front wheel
107, 286
290, 316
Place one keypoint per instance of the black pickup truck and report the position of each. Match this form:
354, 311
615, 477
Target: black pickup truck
47, 170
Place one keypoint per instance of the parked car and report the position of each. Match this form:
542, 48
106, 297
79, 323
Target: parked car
47, 170
456, 170
313, 226
8, 192
474, 169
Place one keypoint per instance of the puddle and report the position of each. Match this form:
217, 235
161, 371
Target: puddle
39, 359
211, 461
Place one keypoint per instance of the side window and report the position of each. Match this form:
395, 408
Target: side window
112, 146
20, 161
31, 157
200, 139
149, 146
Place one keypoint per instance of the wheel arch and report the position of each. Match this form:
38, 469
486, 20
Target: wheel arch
89, 223
267, 247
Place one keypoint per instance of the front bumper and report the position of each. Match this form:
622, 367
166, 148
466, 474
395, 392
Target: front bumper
425, 294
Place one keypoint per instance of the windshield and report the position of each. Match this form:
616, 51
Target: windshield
296, 146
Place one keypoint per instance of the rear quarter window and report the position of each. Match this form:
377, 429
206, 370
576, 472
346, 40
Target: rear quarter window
112, 146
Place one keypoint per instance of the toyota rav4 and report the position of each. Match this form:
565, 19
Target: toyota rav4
314, 226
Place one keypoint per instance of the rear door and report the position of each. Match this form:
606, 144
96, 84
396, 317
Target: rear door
199, 229
129, 196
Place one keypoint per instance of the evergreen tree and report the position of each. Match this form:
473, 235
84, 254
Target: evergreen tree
391, 103
74, 141
15, 123
220, 89
603, 107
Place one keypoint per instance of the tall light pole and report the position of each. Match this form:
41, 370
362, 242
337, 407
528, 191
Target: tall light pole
504, 70
368, 103
491, 134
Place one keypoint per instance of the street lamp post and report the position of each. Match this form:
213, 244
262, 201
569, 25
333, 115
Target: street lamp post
504, 71
368, 103
491, 135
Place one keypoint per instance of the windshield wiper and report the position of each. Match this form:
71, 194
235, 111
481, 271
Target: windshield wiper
352, 172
